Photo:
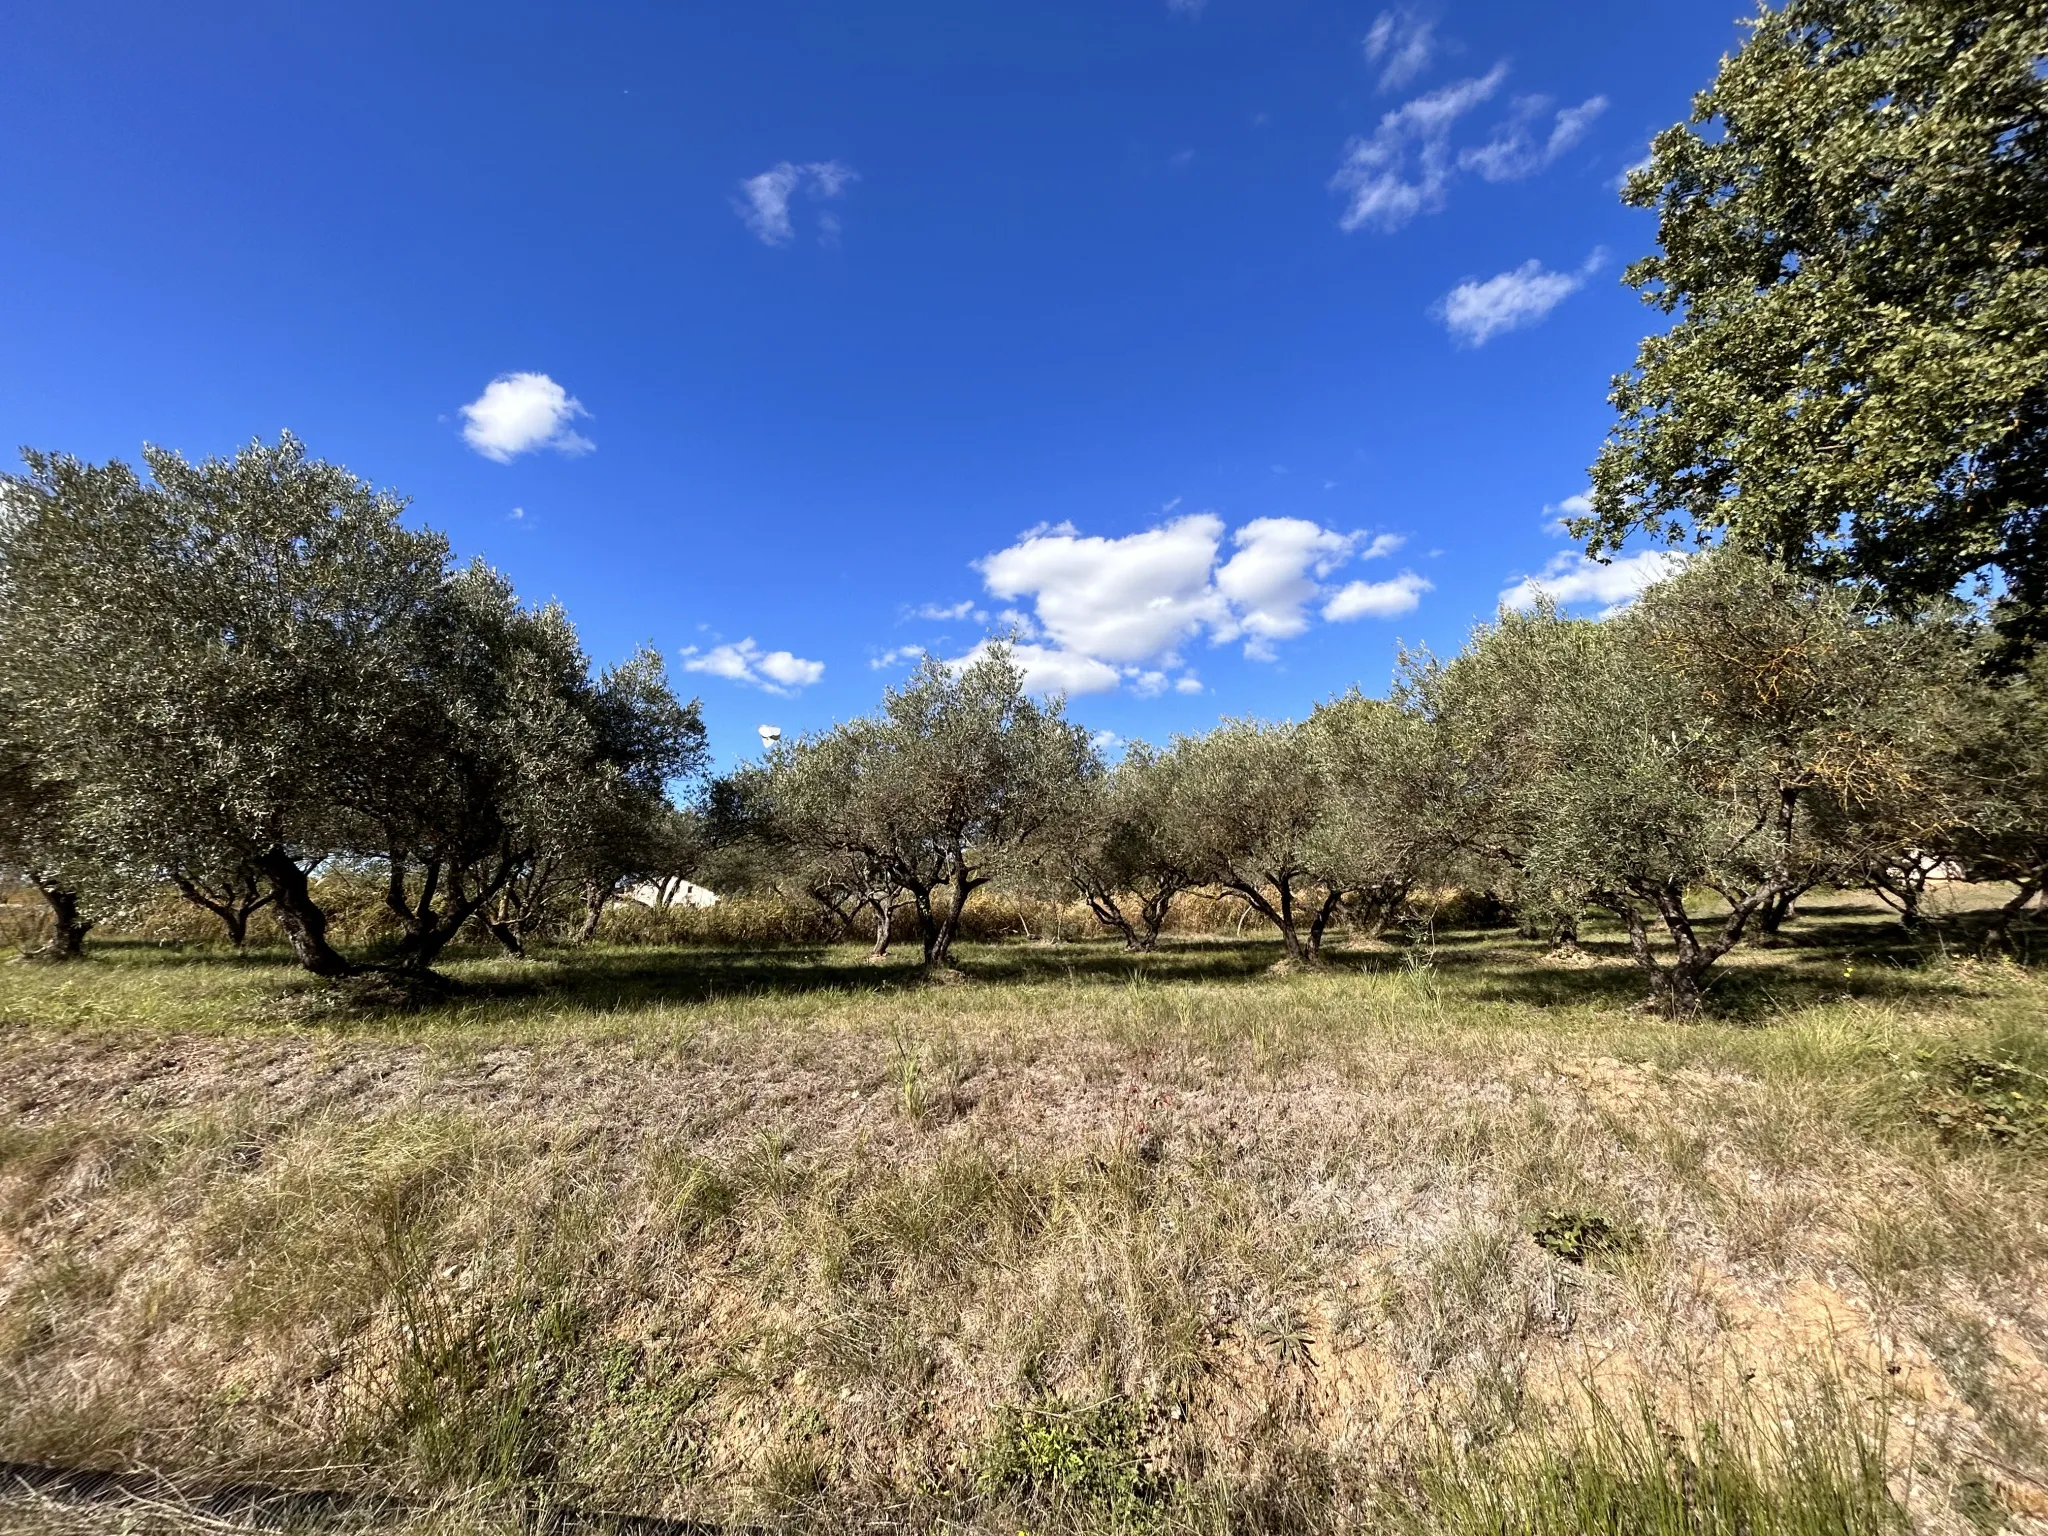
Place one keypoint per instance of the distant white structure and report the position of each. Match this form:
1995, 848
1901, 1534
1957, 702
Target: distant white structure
663, 894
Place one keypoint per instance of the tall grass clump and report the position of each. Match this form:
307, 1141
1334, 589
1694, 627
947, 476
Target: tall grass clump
1811, 1463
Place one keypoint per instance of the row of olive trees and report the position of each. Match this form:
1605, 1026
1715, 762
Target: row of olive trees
226, 676
1741, 732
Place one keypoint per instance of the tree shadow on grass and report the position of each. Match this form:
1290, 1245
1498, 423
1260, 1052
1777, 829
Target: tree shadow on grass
1834, 949
1832, 952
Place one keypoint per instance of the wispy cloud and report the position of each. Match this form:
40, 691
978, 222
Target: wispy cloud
775, 671
1376, 599
765, 201
1382, 545
1402, 44
942, 612
1187, 7
523, 413
1403, 168
1518, 149
1406, 165
1475, 312
1570, 579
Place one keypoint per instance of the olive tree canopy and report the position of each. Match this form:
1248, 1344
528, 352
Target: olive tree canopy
1119, 847
1680, 746
251, 665
956, 776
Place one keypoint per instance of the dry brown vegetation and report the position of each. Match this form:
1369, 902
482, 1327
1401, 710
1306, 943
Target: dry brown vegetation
1434, 1238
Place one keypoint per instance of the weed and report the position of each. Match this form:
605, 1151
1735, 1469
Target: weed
1970, 1098
1576, 1236
1062, 1453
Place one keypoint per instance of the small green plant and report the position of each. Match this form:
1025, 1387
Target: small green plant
1971, 1098
1088, 1455
912, 1096
1576, 1236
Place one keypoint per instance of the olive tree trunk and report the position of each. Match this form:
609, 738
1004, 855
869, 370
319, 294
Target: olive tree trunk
67, 928
299, 915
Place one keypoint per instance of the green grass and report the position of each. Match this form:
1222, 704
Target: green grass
1456, 1241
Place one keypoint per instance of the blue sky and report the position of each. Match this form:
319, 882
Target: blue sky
1220, 345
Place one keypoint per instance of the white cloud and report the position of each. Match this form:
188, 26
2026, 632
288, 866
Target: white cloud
1122, 600
1383, 187
767, 197
1274, 576
520, 413
896, 657
1050, 670
1515, 150
775, 671
1125, 606
1402, 44
1376, 599
1383, 544
945, 611
1475, 312
1570, 579
1571, 126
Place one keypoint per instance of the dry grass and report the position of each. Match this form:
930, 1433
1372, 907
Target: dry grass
1450, 1241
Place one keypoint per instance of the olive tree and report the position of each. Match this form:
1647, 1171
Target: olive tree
1248, 807
823, 811
1118, 846
1682, 746
40, 839
248, 666
1484, 729
506, 762
543, 778
956, 778
1371, 843
1993, 770
213, 654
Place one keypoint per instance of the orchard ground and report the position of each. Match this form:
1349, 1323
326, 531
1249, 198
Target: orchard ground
1446, 1236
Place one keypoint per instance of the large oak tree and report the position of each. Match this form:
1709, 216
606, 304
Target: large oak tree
1853, 238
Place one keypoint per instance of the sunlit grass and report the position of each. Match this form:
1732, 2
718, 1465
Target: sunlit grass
1446, 1239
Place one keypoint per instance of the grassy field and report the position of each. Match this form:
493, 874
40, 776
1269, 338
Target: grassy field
1447, 1239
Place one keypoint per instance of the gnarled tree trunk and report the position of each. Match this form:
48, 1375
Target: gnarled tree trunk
299, 915
939, 946
429, 929
1319, 924
67, 928
1772, 915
